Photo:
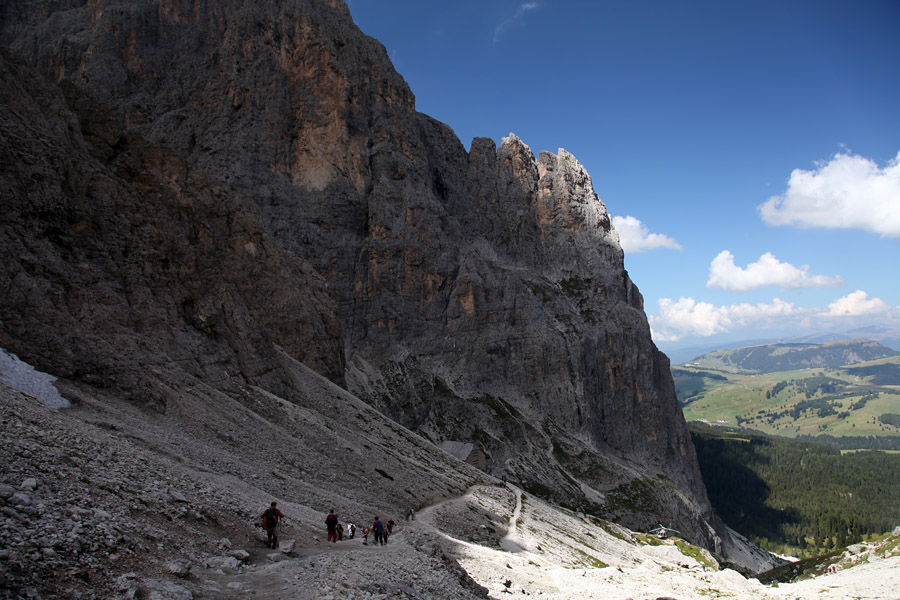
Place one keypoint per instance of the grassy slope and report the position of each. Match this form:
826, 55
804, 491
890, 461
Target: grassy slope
744, 395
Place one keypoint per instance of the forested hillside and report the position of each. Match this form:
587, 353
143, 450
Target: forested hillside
797, 496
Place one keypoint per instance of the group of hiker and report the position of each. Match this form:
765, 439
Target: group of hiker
378, 529
336, 530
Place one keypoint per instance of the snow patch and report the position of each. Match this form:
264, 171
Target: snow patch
21, 376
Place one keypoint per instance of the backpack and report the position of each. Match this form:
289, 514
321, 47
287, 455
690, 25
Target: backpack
331, 521
270, 518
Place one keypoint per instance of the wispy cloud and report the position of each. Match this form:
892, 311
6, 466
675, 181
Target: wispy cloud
517, 19
686, 317
634, 236
848, 191
768, 270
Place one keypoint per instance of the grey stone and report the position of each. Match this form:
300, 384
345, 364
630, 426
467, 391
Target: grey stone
13, 514
287, 546
161, 589
242, 555
179, 568
20, 499
223, 562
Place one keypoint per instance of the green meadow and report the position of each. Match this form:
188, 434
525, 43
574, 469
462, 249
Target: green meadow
854, 400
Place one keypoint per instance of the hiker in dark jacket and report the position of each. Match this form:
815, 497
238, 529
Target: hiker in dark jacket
378, 528
270, 520
331, 523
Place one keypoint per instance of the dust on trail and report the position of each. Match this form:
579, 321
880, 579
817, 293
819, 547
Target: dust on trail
508, 542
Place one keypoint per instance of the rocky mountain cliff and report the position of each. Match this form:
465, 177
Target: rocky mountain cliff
193, 190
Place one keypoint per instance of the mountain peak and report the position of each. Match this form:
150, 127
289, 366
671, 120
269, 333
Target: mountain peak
202, 197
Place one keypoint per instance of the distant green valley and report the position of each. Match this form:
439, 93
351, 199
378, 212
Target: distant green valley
814, 492
744, 387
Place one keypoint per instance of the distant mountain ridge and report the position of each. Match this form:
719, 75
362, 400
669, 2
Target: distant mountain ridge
771, 358
681, 353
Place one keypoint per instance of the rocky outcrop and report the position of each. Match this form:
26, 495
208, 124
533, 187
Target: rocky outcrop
221, 181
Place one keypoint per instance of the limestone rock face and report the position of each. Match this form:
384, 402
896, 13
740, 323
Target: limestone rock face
118, 276
220, 181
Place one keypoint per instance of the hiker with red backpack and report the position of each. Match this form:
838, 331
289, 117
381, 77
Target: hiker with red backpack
270, 520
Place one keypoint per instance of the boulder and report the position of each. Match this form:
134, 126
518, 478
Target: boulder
223, 562
6, 491
241, 555
161, 589
287, 546
179, 568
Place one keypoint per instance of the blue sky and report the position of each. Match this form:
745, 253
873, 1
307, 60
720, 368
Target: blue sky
748, 151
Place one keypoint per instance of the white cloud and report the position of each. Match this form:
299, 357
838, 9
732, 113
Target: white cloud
635, 237
849, 191
687, 317
516, 19
856, 304
768, 270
